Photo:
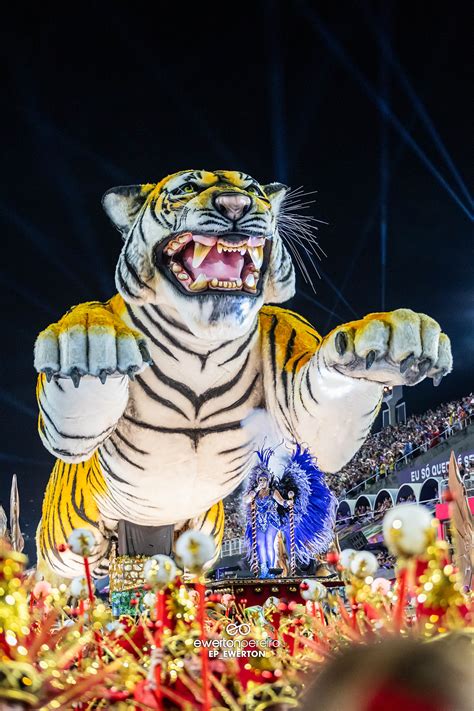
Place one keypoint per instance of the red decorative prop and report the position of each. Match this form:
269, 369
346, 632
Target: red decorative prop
354, 608
90, 590
204, 650
332, 558
159, 625
402, 598
448, 496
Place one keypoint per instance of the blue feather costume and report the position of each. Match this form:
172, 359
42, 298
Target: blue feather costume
314, 507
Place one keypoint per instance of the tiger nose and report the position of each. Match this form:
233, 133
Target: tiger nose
232, 205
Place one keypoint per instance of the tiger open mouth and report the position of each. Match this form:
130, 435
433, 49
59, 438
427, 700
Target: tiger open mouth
231, 262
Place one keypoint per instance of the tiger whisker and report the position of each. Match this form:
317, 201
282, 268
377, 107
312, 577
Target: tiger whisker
293, 246
300, 263
298, 232
302, 235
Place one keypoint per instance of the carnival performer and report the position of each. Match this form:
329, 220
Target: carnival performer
262, 499
298, 503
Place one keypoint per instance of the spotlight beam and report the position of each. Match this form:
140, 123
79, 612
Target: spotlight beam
368, 227
336, 48
108, 168
384, 175
389, 55
317, 303
305, 120
337, 291
276, 83
17, 404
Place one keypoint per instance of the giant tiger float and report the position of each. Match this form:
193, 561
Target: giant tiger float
153, 404
148, 399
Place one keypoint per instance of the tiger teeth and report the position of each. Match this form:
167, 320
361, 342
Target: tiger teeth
199, 284
183, 276
256, 254
218, 284
176, 268
200, 253
250, 281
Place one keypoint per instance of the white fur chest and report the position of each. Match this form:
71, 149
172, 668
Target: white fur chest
180, 446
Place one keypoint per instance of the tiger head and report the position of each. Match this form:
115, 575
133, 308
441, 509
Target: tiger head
205, 245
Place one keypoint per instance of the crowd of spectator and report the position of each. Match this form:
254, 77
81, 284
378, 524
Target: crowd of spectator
378, 458
363, 514
409, 499
395, 445
234, 523
385, 559
382, 507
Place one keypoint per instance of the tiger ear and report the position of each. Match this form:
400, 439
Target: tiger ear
122, 204
275, 193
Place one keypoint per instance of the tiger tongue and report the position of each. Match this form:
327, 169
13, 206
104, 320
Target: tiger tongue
226, 266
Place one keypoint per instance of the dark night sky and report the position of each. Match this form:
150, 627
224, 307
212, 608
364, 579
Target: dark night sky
117, 95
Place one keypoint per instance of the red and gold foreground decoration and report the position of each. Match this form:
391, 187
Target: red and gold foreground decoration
192, 648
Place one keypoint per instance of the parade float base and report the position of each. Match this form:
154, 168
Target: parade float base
250, 591
256, 590
127, 586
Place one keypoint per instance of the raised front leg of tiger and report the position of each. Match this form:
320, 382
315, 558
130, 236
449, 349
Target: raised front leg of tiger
85, 361
326, 392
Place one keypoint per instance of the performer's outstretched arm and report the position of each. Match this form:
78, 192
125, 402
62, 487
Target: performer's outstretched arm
279, 498
84, 363
326, 392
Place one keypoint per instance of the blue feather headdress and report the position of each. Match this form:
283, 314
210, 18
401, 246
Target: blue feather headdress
261, 468
314, 504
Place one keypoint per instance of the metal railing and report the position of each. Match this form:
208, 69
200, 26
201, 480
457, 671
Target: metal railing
369, 516
405, 458
233, 546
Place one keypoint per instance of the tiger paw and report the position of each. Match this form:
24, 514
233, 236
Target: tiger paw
396, 348
90, 340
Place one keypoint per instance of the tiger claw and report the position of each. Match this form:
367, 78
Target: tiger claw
75, 376
145, 353
438, 378
407, 363
424, 366
103, 376
341, 343
369, 359
131, 371
49, 373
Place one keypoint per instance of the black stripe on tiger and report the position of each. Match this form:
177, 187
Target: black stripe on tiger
195, 435
141, 326
242, 347
157, 398
237, 403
